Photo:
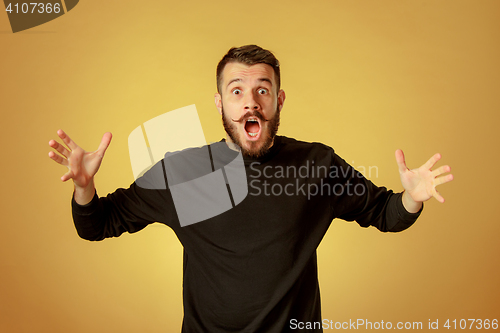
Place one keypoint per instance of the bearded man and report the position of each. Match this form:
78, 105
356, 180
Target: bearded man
253, 268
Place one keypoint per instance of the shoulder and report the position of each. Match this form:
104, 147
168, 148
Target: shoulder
176, 167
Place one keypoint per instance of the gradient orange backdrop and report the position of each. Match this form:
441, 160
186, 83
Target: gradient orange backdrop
365, 77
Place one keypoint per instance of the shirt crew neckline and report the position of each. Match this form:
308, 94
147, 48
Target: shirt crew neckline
278, 142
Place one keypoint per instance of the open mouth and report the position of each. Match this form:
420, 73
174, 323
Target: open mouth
252, 128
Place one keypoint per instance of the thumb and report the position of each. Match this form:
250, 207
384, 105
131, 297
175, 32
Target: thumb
400, 159
105, 141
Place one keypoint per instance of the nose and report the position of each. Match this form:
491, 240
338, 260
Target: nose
251, 102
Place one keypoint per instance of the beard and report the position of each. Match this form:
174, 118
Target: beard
255, 149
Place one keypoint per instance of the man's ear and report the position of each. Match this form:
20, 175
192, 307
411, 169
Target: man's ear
281, 99
218, 102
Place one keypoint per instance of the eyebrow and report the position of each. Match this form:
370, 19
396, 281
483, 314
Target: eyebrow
264, 79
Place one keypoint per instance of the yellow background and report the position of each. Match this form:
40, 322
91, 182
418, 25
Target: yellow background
365, 77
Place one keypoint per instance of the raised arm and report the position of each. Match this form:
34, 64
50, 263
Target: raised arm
82, 166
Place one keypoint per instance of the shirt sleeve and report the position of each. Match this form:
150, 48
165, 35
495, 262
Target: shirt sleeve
357, 199
125, 210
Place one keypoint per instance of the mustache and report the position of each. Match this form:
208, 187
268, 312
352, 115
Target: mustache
248, 115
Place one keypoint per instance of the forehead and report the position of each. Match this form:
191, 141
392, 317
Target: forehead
247, 73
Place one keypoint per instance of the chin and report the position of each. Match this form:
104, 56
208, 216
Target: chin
255, 149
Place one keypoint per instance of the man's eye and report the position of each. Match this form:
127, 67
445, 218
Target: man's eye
236, 91
262, 91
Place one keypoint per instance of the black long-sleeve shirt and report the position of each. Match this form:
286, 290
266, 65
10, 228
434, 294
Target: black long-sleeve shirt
253, 268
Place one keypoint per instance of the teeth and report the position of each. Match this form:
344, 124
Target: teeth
253, 120
252, 134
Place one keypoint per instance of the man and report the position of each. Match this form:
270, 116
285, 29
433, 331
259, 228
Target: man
253, 268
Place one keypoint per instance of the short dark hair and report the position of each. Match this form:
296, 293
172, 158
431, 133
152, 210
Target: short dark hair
249, 55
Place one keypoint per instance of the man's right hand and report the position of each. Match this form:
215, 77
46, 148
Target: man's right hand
82, 165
